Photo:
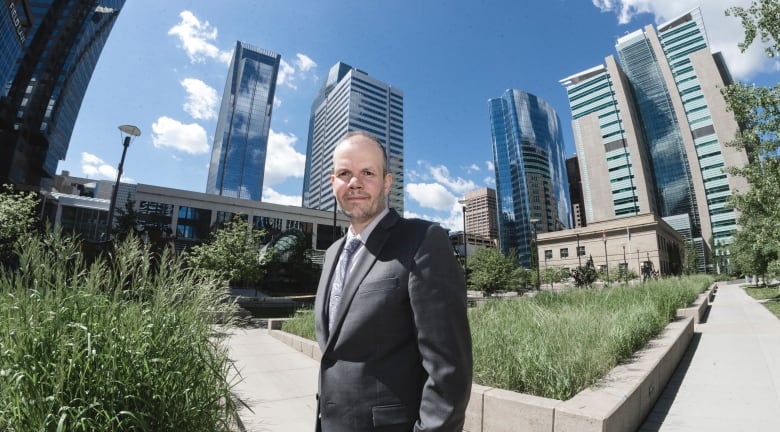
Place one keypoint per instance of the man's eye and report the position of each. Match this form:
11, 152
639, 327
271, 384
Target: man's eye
367, 174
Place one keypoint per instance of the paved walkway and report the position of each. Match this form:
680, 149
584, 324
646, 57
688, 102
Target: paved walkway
278, 384
729, 378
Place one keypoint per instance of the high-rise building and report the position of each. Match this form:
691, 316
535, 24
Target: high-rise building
575, 193
481, 217
651, 132
15, 24
238, 157
350, 100
44, 87
528, 152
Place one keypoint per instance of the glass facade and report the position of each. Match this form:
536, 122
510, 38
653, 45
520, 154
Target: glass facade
662, 133
241, 140
48, 84
531, 180
350, 100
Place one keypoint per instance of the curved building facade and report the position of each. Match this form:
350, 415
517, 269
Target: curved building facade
531, 181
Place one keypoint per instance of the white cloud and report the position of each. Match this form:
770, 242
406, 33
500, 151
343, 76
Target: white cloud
282, 161
490, 166
272, 196
724, 33
441, 174
196, 39
472, 168
201, 99
94, 167
286, 75
289, 75
188, 138
490, 181
431, 195
304, 62
452, 222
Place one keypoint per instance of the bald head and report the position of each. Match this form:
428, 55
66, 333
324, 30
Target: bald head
362, 137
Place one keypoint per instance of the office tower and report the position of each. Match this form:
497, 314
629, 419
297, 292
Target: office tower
15, 23
575, 193
481, 218
651, 132
350, 100
238, 157
530, 170
44, 89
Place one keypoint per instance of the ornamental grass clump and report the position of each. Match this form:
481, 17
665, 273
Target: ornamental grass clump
557, 344
122, 343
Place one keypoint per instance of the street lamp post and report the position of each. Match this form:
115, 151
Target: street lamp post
606, 257
625, 264
129, 132
534, 221
464, 203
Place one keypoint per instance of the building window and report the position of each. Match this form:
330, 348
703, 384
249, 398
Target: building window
564, 252
580, 250
548, 254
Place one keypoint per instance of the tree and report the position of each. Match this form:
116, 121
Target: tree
127, 219
490, 271
585, 275
17, 217
230, 253
691, 265
756, 246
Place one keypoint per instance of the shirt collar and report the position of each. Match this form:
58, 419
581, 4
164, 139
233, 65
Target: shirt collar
363, 236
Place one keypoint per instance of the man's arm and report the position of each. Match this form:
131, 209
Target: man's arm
437, 291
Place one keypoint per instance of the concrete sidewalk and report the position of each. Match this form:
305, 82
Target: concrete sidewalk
278, 384
729, 378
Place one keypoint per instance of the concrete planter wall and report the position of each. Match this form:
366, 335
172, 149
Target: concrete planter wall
618, 402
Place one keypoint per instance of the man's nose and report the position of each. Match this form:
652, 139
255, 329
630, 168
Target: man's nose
354, 182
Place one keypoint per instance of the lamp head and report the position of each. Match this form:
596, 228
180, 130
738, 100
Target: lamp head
130, 130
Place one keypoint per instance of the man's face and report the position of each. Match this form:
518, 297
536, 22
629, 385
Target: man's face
358, 180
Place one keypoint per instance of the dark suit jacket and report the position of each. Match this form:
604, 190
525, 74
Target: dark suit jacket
399, 358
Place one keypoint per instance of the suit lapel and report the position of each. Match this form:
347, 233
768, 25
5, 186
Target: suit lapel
372, 247
323, 290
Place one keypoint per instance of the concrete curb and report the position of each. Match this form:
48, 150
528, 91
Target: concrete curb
618, 402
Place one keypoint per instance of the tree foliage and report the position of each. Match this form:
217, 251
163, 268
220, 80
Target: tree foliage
17, 217
490, 271
230, 253
756, 246
585, 275
691, 264
761, 19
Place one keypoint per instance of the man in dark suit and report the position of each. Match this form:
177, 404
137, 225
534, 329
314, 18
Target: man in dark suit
393, 330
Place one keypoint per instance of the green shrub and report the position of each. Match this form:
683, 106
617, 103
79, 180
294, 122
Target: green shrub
119, 345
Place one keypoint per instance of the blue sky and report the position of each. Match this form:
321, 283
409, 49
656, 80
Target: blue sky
164, 66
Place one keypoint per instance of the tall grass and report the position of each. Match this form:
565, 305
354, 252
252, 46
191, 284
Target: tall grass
301, 324
556, 344
120, 344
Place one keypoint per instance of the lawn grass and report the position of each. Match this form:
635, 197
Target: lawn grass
125, 344
770, 294
556, 344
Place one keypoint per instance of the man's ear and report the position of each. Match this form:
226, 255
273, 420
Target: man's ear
388, 183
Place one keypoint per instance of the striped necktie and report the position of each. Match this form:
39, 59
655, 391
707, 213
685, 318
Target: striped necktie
340, 277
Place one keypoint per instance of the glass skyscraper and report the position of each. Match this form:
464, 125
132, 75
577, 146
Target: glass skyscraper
350, 100
657, 124
44, 87
531, 180
238, 157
